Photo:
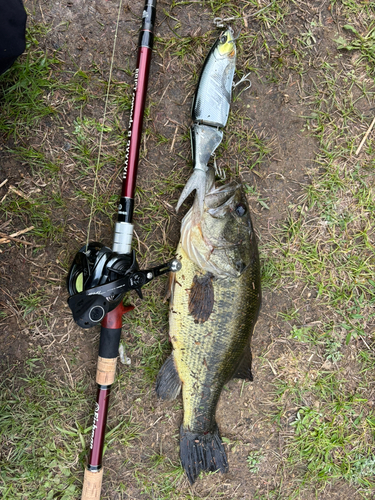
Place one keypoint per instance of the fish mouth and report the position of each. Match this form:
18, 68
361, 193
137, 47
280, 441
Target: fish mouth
221, 198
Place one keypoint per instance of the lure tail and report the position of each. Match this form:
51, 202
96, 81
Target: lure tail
204, 141
196, 182
202, 452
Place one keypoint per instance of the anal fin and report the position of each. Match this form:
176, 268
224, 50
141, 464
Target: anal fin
168, 383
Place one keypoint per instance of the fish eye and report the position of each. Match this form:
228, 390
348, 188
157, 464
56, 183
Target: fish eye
223, 39
240, 209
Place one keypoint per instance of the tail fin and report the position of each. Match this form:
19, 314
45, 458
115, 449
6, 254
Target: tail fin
197, 181
200, 452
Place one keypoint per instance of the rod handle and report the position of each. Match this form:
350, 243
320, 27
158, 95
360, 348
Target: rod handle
106, 371
92, 485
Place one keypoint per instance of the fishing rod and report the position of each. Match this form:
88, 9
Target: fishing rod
99, 276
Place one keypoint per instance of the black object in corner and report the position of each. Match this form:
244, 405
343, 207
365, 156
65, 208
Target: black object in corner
12, 32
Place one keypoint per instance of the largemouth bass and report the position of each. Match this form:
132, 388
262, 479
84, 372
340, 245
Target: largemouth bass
210, 111
215, 300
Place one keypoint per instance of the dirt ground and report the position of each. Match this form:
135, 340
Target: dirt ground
81, 34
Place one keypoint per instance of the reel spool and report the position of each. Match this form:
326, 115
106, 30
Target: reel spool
99, 278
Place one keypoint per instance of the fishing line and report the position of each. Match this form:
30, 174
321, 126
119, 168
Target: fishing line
102, 128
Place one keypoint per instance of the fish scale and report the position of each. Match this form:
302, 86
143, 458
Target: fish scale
208, 354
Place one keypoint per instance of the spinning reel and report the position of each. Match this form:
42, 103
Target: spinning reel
99, 278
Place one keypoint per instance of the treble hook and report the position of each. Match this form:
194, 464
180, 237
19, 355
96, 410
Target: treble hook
235, 37
219, 172
243, 79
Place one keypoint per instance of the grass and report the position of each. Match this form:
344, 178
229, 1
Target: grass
324, 245
254, 460
330, 442
23, 94
151, 350
332, 438
36, 417
36, 94
29, 303
38, 212
365, 44
169, 479
43, 433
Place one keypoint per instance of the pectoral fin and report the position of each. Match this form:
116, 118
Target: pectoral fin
201, 298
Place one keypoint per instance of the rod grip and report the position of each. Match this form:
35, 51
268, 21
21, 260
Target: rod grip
106, 371
92, 485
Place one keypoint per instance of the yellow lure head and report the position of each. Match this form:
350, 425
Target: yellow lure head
226, 44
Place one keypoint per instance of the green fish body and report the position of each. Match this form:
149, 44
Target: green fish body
215, 300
